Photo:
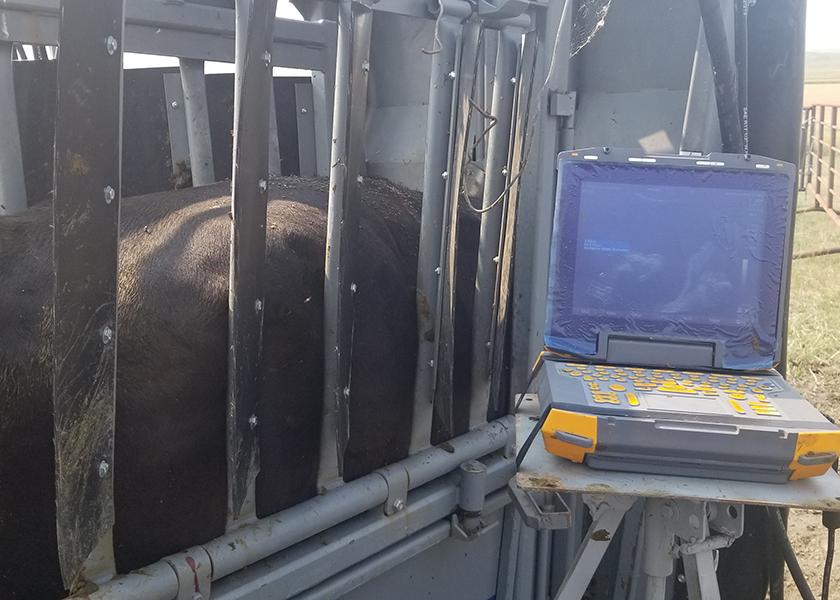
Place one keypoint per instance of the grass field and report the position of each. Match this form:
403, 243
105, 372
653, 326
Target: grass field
822, 78
814, 364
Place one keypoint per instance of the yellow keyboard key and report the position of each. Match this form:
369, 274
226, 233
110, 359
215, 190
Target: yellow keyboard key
616, 387
632, 400
737, 407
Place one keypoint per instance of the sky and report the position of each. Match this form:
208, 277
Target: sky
822, 25
822, 33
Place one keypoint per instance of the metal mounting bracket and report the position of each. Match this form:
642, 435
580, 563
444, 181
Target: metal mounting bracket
397, 480
562, 104
194, 571
540, 509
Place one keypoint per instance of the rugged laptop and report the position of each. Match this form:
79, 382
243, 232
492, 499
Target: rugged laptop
664, 317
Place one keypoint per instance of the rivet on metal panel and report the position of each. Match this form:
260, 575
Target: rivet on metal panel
109, 194
111, 44
262, 184
107, 335
360, 179
303, 111
347, 392
253, 421
496, 259
267, 58
431, 363
513, 80
504, 171
437, 270
174, 104
103, 469
365, 67
258, 305
451, 75
353, 288
445, 174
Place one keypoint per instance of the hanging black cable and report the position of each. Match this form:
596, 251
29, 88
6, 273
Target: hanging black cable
778, 527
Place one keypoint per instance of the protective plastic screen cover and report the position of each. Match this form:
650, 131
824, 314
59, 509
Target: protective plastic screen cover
670, 252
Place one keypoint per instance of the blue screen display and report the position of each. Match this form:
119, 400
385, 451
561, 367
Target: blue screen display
671, 252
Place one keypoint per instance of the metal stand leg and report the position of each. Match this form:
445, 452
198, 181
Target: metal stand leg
607, 512
12, 186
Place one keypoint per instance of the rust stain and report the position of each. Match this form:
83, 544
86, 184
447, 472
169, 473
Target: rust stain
77, 164
601, 535
599, 488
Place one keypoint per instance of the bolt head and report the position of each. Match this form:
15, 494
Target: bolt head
107, 335
431, 363
437, 270
365, 66
103, 468
445, 174
304, 111
353, 288
398, 505
267, 58
111, 45
360, 179
451, 75
504, 171
253, 421
258, 305
496, 259
109, 194
347, 392
513, 80
262, 184
174, 104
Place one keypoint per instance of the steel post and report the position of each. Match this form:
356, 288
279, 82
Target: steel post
86, 215
441, 91
352, 66
495, 180
249, 200
198, 121
275, 167
12, 183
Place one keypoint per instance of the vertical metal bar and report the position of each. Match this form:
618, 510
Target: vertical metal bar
198, 121
323, 94
86, 211
504, 273
12, 183
441, 91
543, 564
254, 30
306, 129
352, 66
176, 122
495, 181
831, 192
275, 166
818, 158
444, 360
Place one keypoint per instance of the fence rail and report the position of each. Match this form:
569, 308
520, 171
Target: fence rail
819, 158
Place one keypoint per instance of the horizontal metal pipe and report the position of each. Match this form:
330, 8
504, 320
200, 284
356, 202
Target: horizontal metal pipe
305, 565
242, 547
396, 555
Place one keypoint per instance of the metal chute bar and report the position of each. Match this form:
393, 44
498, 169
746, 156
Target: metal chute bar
352, 66
86, 211
247, 252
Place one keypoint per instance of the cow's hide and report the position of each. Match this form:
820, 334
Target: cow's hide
171, 376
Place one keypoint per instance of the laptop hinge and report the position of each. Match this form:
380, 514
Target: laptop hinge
659, 351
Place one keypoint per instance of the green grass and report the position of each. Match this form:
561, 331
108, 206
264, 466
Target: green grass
822, 67
814, 334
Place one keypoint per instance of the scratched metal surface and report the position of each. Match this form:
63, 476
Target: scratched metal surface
541, 470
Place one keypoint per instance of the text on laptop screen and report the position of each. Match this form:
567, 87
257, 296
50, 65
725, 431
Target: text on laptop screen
672, 252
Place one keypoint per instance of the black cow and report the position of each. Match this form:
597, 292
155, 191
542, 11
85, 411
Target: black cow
171, 367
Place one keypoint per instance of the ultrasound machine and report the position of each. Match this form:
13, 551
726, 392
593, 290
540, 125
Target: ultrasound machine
665, 314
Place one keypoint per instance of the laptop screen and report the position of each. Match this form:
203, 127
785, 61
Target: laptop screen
672, 252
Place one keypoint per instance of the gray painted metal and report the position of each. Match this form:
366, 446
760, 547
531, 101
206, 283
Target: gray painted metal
247, 253
444, 360
440, 109
86, 210
495, 181
185, 30
12, 184
238, 549
473, 486
275, 167
322, 103
701, 132
509, 553
347, 164
198, 121
344, 547
306, 130
179, 148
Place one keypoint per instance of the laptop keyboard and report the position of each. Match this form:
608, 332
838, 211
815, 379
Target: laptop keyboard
636, 387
